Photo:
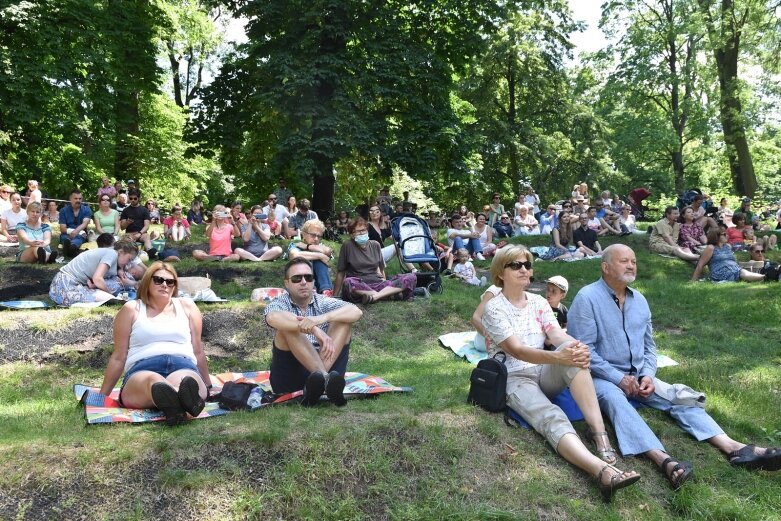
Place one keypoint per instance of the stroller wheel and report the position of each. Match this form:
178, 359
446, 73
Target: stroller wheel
436, 287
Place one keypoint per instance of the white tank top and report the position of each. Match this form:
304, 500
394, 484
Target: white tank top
159, 336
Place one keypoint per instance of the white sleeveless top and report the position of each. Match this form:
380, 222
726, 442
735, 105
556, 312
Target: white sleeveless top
159, 336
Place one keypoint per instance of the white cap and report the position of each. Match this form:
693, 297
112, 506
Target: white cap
560, 282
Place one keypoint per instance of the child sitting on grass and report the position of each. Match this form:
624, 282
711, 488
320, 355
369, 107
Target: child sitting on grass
465, 270
555, 292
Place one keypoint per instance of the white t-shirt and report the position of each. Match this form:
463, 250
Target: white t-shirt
594, 224
280, 212
530, 324
466, 269
12, 219
533, 200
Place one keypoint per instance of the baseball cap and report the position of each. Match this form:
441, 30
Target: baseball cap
131, 181
560, 282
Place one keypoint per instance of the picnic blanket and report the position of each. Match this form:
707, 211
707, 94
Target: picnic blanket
24, 304
100, 409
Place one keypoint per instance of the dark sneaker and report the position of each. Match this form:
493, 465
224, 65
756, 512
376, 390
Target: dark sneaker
66, 247
313, 388
73, 250
52, 257
167, 400
421, 292
41, 256
190, 397
335, 389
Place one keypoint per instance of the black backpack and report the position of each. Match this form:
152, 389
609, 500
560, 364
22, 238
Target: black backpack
488, 384
234, 395
771, 271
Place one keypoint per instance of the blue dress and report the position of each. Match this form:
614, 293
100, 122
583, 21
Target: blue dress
723, 265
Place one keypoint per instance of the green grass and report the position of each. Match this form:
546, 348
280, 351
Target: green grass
423, 455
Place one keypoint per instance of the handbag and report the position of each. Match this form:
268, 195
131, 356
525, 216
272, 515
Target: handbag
234, 395
488, 383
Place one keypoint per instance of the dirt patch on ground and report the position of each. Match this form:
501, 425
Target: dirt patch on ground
23, 281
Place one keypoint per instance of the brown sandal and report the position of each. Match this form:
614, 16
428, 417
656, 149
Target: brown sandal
619, 480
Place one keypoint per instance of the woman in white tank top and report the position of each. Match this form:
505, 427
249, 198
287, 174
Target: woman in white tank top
157, 344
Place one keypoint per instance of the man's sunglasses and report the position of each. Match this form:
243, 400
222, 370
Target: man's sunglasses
517, 265
159, 281
295, 279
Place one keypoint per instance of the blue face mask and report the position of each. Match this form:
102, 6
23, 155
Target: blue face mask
362, 239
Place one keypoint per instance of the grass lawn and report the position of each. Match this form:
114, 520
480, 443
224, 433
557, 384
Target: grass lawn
423, 455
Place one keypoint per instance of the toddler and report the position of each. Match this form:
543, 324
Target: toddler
465, 270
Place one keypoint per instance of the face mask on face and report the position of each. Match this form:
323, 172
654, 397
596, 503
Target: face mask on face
362, 239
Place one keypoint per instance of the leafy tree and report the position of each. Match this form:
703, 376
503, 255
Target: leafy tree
323, 81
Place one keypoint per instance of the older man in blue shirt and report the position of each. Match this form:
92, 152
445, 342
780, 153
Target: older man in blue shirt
614, 320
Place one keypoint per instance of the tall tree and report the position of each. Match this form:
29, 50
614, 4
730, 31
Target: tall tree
326, 80
733, 27
655, 86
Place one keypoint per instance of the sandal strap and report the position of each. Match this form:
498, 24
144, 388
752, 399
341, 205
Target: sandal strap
748, 450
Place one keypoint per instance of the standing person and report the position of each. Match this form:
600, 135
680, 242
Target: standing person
256, 233
220, 231
10, 218
93, 276
585, 239
135, 221
34, 237
360, 270
623, 365
518, 323
495, 209
312, 335
532, 200
74, 219
157, 345
665, 234
107, 189
282, 192
33, 193
195, 213
106, 218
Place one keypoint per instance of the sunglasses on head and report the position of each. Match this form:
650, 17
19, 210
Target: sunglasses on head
159, 281
295, 279
517, 265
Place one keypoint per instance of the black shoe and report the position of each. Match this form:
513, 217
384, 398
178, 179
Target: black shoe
41, 256
73, 250
52, 257
167, 400
335, 389
66, 247
190, 397
313, 388
151, 253
421, 292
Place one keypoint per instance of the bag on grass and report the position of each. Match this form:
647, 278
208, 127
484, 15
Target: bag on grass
234, 395
488, 383
771, 271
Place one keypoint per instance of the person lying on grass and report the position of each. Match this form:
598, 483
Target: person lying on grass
614, 320
157, 345
518, 323
312, 335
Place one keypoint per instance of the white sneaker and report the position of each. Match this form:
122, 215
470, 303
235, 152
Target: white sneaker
479, 257
483, 281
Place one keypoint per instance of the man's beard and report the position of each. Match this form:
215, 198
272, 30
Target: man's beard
628, 278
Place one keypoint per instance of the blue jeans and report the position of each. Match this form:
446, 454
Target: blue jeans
322, 277
76, 242
472, 246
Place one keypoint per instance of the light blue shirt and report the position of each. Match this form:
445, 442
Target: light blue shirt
621, 342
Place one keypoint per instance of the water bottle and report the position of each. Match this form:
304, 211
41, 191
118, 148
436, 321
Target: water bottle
255, 398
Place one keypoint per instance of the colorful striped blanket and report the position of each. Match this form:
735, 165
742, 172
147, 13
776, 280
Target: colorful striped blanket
99, 408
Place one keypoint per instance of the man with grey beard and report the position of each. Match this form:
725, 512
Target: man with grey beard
614, 320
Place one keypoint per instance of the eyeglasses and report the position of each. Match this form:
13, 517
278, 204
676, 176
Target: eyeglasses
504, 217
317, 235
272, 198
757, 251
374, 211
6, 192
133, 198
105, 199
295, 279
159, 281
517, 265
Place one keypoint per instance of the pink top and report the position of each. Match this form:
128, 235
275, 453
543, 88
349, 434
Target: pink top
169, 221
220, 240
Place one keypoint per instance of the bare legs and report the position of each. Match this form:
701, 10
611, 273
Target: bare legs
306, 354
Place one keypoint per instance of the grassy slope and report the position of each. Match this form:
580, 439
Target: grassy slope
425, 455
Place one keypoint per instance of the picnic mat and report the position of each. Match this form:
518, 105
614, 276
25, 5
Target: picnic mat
24, 304
106, 409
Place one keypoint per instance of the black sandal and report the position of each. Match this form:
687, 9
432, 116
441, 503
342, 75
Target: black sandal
747, 458
678, 482
619, 480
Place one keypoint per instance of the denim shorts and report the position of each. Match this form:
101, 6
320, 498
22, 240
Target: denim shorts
163, 365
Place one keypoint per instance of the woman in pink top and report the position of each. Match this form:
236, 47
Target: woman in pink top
220, 232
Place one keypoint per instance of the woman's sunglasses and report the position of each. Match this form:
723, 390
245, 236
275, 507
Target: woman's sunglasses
295, 279
159, 281
517, 265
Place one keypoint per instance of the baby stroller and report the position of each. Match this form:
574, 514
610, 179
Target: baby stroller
415, 245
